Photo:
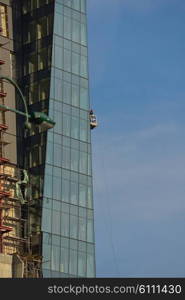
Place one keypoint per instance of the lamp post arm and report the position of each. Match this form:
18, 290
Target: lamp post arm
7, 108
27, 123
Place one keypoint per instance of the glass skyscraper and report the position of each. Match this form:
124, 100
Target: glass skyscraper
67, 215
51, 55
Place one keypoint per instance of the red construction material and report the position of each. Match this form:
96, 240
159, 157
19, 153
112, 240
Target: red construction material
5, 229
4, 194
2, 62
3, 127
2, 94
4, 160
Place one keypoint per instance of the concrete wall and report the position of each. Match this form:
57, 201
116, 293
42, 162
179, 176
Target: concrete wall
17, 267
9, 151
5, 266
7, 54
11, 266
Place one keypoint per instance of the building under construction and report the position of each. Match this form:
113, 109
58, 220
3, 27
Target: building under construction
46, 198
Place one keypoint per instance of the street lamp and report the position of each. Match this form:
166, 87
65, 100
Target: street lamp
42, 119
38, 118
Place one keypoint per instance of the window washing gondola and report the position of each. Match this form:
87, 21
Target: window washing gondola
93, 120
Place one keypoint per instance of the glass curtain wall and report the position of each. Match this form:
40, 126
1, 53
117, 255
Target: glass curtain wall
67, 214
33, 34
38, 18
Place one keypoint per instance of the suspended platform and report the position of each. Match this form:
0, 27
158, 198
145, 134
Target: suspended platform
93, 119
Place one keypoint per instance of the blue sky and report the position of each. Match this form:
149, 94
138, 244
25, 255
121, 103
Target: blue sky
137, 87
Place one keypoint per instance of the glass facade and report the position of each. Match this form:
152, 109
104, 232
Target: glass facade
67, 216
54, 77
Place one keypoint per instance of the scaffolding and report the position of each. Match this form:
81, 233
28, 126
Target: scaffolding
11, 222
32, 266
4, 191
15, 202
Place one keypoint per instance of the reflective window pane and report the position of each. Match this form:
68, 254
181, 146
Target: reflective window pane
74, 193
73, 262
46, 220
82, 264
55, 255
64, 260
82, 195
64, 224
73, 226
65, 190
56, 222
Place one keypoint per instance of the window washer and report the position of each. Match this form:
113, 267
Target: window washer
93, 120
